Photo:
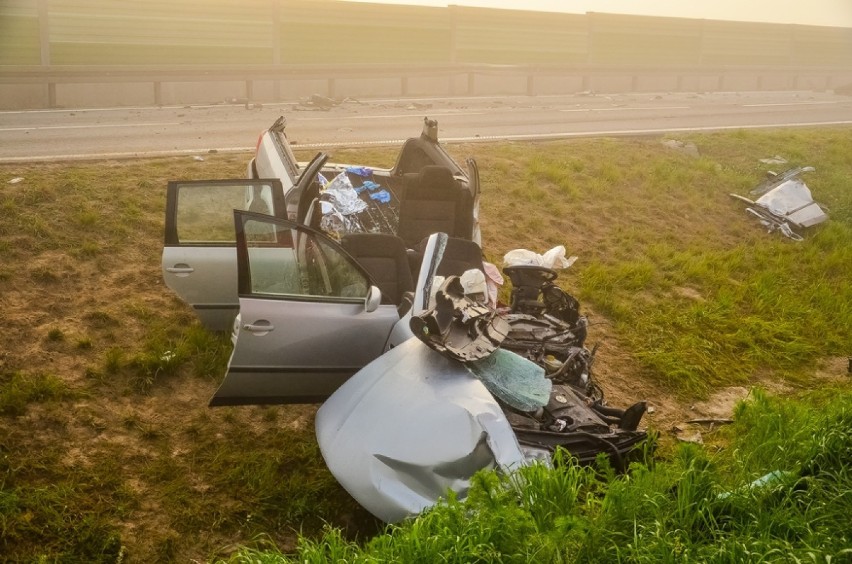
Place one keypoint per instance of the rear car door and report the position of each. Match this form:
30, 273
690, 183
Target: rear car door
309, 317
199, 261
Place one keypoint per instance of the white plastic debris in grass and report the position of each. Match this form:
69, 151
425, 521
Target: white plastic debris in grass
553, 259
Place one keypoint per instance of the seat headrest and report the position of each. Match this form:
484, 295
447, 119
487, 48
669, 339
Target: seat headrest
437, 177
373, 245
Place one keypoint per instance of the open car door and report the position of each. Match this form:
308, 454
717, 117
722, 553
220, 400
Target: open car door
309, 315
300, 197
474, 186
199, 261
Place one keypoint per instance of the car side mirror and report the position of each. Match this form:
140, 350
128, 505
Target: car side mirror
373, 299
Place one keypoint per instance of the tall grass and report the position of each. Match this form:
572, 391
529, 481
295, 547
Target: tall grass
696, 507
18, 390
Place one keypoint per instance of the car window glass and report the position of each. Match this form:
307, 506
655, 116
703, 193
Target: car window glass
205, 211
332, 274
296, 263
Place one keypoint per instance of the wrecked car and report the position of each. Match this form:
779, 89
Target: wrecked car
424, 381
425, 191
405, 422
476, 389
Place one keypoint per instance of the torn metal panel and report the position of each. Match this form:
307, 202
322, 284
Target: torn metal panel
786, 202
458, 326
792, 201
775, 179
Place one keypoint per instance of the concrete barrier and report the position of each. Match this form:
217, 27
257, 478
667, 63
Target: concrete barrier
57, 87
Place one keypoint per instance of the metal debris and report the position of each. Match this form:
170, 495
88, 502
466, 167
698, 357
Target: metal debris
317, 102
457, 326
786, 202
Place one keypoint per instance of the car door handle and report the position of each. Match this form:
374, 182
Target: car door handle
180, 269
261, 327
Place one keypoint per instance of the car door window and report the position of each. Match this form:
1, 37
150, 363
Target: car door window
201, 211
287, 260
332, 274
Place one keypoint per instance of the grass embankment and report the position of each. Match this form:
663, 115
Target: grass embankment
107, 448
702, 296
779, 492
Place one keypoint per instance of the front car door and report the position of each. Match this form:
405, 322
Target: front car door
474, 186
309, 315
199, 261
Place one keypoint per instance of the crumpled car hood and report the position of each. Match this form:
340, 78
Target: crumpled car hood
427, 423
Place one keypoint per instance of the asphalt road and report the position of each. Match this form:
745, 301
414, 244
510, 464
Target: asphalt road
53, 135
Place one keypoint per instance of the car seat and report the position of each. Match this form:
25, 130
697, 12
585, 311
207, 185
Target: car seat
433, 201
459, 256
384, 258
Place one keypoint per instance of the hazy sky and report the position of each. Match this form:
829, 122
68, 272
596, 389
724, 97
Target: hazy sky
811, 12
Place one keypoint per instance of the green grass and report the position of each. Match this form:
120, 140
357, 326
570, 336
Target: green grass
109, 451
18, 390
696, 288
694, 507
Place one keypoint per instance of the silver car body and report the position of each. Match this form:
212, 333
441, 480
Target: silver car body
199, 261
402, 424
199, 257
437, 427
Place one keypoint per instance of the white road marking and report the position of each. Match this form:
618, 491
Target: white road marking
395, 116
788, 104
97, 126
128, 155
138, 108
348, 144
625, 109
568, 135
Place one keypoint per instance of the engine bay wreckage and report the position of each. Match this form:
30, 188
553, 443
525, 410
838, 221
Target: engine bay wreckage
365, 289
478, 388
